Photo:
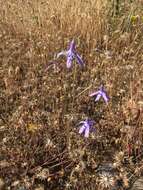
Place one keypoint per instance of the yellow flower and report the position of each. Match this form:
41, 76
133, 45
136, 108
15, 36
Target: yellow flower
32, 127
134, 18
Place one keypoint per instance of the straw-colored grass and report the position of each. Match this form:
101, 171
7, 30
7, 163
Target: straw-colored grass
41, 102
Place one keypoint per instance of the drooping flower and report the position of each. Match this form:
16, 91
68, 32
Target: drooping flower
71, 54
85, 127
100, 93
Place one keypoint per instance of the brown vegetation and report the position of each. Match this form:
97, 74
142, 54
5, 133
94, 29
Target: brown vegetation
41, 102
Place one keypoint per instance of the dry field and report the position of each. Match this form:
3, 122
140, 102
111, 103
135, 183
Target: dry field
42, 101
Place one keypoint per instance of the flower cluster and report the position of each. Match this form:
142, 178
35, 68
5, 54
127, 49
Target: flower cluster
71, 54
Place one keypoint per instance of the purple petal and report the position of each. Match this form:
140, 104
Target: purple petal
81, 130
69, 62
79, 60
86, 123
91, 122
62, 53
105, 97
94, 93
98, 97
86, 131
82, 122
72, 45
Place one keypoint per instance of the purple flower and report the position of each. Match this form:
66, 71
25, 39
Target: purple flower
85, 127
71, 54
100, 93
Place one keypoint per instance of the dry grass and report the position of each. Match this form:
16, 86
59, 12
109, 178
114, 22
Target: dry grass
41, 102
